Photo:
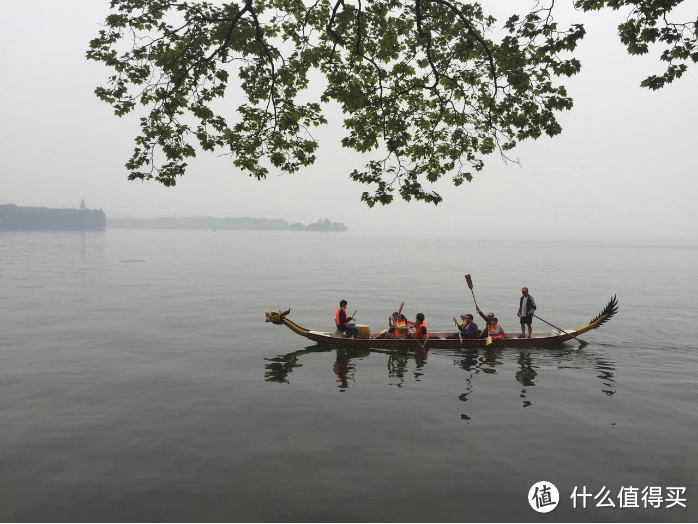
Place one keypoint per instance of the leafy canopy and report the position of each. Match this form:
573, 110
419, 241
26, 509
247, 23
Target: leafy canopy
427, 87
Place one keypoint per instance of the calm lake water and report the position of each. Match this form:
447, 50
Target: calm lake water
139, 381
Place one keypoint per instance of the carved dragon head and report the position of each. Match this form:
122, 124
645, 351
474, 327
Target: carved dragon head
276, 317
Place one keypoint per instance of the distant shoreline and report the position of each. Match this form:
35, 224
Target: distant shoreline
21, 218
224, 224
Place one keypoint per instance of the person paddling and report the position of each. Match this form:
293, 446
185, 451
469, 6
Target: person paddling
420, 325
393, 322
397, 325
489, 319
495, 330
467, 328
527, 307
341, 320
400, 327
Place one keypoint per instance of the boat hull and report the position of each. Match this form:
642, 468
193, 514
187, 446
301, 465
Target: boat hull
325, 339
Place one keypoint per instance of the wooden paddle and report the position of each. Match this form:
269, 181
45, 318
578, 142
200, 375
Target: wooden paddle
470, 285
582, 342
460, 338
414, 337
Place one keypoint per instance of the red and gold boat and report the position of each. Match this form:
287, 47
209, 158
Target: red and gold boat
441, 340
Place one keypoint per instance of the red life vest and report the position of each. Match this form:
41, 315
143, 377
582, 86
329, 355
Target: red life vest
400, 329
336, 318
493, 330
418, 330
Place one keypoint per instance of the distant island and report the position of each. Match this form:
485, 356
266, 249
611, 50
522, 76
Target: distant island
18, 218
226, 223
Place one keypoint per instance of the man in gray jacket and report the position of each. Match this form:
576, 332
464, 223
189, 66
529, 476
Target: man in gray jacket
527, 307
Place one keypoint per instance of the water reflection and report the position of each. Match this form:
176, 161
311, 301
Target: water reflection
525, 375
404, 367
278, 368
344, 368
606, 368
397, 365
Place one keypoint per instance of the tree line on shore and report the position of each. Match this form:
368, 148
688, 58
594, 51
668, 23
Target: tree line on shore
21, 218
233, 223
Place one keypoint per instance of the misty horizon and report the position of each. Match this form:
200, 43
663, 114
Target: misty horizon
621, 171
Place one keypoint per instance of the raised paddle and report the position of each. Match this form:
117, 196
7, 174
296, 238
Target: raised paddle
582, 342
470, 285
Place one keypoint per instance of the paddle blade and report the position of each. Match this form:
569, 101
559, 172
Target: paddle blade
488, 341
469, 281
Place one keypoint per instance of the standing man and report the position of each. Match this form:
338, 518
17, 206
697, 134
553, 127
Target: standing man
342, 321
527, 307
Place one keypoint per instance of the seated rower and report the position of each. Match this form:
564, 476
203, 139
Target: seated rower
420, 325
488, 318
341, 320
389, 333
400, 328
393, 321
467, 328
495, 330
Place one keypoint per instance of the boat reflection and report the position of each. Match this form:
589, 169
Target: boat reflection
398, 361
410, 366
344, 368
278, 368
606, 369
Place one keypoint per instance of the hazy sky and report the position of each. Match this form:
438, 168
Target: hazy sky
623, 169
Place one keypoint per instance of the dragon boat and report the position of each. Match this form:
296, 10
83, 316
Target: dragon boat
440, 340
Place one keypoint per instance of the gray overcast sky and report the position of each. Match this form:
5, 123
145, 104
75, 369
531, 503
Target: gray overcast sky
623, 169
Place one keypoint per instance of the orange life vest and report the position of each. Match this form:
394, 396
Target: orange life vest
418, 330
400, 329
493, 330
336, 317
